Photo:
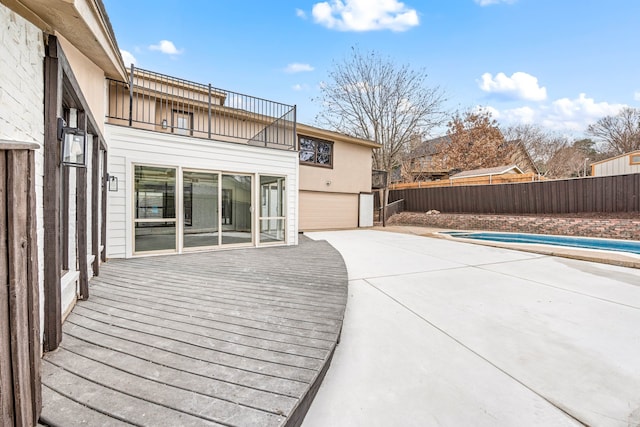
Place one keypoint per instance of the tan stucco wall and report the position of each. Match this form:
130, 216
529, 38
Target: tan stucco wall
90, 77
327, 211
351, 172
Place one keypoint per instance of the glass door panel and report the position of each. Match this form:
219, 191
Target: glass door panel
155, 209
272, 218
236, 217
200, 207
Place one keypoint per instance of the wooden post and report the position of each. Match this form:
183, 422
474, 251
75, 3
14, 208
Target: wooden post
34, 295
96, 188
6, 399
51, 197
17, 248
103, 210
20, 395
81, 220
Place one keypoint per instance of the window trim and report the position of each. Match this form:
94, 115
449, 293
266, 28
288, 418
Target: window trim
631, 156
315, 163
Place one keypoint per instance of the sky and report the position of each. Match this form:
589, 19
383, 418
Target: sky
558, 64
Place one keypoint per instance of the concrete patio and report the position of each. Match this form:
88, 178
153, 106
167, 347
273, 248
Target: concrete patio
444, 333
233, 338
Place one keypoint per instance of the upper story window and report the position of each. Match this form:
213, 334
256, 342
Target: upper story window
182, 122
316, 152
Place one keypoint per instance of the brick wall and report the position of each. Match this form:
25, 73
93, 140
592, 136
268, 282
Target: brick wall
615, 228
22, 99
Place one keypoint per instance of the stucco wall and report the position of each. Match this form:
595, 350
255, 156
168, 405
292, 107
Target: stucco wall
22, 99
90, 78
128, 146
351, 172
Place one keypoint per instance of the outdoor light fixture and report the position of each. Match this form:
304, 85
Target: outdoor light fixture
164, 124
74, 145
112, 182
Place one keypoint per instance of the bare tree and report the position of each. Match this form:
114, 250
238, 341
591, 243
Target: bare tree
539, 143
621, 133
371, 97
475, 142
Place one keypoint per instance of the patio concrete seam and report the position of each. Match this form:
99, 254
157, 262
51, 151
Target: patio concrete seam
560, 408
559, 288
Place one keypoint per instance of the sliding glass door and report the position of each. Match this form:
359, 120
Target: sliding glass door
272, 218
200, 209
215, 209
236, 210
155, 209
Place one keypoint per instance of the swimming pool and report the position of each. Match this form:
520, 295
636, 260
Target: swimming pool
631, 246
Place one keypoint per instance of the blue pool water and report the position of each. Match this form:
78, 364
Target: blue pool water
631, 246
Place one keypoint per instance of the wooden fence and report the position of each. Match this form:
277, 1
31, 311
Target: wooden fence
619, 193
476, 180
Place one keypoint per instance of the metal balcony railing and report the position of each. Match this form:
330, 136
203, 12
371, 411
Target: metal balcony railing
163, 103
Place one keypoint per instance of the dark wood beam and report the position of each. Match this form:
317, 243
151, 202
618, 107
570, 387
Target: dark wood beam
95, 208
103, 210
81, 219
51, 196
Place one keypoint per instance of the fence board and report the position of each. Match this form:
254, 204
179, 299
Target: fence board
619, 193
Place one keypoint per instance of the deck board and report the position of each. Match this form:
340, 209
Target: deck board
234, 338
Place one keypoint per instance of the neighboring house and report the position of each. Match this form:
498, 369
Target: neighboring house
420, 164
55, 57
491, 175
198, 168
520, 156
618, 165
335, 179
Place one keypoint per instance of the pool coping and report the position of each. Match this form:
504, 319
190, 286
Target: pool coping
591, 255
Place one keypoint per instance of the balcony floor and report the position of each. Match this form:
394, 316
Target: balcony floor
234, 338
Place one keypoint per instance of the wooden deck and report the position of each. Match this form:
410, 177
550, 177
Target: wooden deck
232, 338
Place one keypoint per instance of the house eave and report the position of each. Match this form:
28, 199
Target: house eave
84, 23
334, 136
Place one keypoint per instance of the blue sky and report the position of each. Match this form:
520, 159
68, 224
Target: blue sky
560, 64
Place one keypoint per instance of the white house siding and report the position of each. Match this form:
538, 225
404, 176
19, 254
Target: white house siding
22, 101
616, 166
129, 146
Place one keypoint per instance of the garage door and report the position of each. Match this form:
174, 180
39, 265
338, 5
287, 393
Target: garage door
327, 211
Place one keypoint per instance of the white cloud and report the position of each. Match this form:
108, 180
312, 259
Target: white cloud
167, 47
297, 67
519, 86
128, 58
365, 15
300, 87
301, 14
564, 114
490, 2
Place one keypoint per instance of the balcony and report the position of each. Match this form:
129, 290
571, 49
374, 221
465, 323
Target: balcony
162, 103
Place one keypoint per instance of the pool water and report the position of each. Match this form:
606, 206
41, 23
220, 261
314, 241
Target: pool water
631, 246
